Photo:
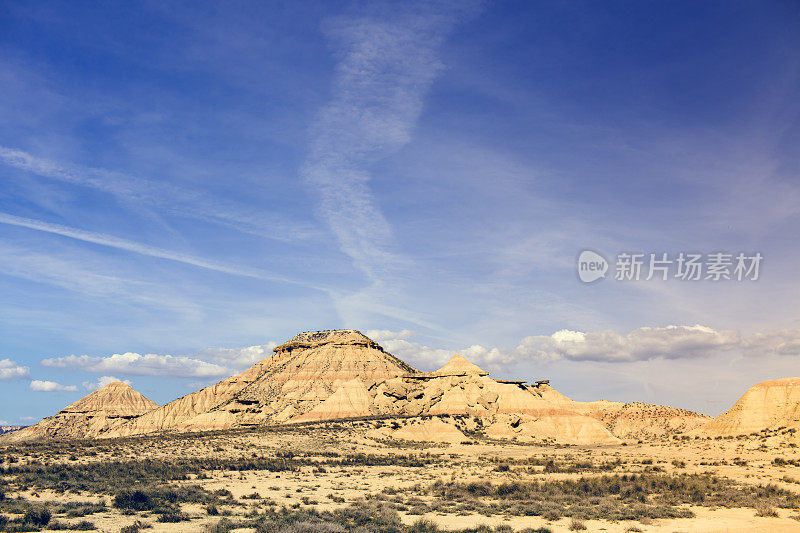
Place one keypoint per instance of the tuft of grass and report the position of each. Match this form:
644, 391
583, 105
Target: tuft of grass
423, 525
577, 525
766, 511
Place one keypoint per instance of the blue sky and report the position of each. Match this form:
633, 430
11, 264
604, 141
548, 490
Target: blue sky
183, 185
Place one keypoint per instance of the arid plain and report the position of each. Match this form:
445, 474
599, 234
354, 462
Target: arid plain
332, 433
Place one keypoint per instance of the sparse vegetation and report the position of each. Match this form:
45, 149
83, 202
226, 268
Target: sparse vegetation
618, 497
278, 489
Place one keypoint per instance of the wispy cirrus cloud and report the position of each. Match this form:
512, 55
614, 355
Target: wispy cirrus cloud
144, 249
50, 386
11, 371
162, 195
387, 66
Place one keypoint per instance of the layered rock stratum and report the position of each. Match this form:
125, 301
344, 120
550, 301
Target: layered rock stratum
342, 374
301, 374
99, 411
769, 405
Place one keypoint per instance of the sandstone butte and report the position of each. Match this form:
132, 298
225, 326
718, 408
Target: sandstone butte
772, 405
342, 374
102, 409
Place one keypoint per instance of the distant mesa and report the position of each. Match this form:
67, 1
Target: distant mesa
344, 375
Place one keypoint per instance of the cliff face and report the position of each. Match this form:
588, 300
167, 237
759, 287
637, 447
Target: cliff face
108, 407
768, 405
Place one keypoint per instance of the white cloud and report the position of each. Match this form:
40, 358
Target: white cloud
208, 363
11, 371
782, 342
101, 382
642, 344
141, 365
51, 386
671, 342
5, 423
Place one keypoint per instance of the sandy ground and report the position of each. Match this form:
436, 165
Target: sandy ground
748, 461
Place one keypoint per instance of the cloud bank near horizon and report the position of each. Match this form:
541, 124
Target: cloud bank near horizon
606, 347
639, 345
208, 363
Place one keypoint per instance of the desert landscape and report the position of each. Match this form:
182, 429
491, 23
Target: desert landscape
332, 433
389, 266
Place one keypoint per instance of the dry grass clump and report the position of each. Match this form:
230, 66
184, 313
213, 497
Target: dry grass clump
577, 525
766, 511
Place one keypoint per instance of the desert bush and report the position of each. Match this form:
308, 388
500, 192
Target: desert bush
83, 525
766, 511
423, 526
136, 527
36, 516
223, 526
172, 516
135, 500
79, 509
576, 525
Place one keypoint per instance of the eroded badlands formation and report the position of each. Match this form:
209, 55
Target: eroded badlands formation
102, 409
342, 374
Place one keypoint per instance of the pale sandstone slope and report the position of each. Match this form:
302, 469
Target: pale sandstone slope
351, 400
508, 409
638, 420
768, 405
432, 430
88, 417
302, 374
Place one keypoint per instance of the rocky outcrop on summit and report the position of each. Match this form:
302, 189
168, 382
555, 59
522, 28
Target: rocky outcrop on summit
93, 414
770, 404
303, 373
